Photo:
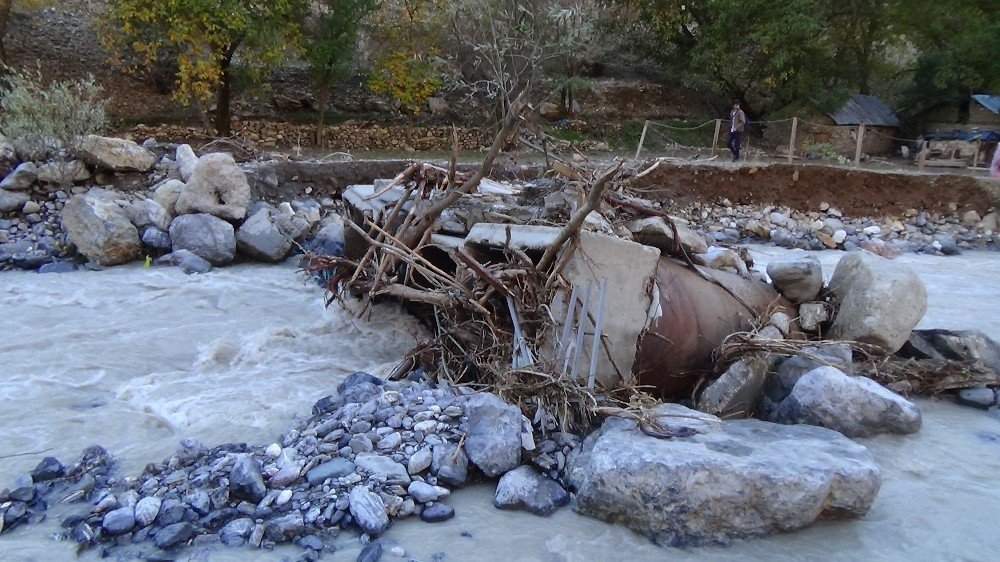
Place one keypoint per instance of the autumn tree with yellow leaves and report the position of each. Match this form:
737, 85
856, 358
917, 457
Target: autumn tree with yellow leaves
206, 36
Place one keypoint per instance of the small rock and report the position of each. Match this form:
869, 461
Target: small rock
524, 488
981, 397
245, 481
235, 532
119, 521
49, 469
284, 529
372, 552
799, 279
174, 535
336, 468
419, 461
437, 513
368, 510
425, 493
450, 464
146, 510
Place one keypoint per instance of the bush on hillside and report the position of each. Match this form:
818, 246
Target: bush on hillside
44, 120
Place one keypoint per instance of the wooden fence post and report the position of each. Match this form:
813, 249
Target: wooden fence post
715, 139
642, 139
861, 140
791, 141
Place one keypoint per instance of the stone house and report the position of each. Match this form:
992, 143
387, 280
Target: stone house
839, 129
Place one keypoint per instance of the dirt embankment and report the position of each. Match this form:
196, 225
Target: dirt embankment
804, 187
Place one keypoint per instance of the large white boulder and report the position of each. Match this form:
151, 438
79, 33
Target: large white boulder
713, 481
100, 230
880, 301
119, 155
217, 187
854, 406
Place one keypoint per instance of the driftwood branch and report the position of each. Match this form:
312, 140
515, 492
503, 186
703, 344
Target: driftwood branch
430, 216
573, 226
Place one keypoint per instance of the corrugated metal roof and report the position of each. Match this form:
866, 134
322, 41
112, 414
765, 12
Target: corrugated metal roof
991, 103
865, 109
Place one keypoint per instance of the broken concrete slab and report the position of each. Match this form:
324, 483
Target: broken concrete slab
522, 237
630, 269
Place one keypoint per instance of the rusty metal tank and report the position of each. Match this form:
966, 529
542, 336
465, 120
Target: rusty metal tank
696, 317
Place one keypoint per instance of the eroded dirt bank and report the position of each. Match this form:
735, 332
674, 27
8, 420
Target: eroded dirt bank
804, 187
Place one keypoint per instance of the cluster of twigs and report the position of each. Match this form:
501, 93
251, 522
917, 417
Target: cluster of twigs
487, 311
929, 377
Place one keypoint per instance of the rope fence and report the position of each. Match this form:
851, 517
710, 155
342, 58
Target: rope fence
786, 138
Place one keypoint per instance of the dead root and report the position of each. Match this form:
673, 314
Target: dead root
928, 377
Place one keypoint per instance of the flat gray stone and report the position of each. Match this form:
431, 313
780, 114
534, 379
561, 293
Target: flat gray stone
727, 480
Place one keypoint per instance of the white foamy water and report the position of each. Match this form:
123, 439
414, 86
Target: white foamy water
136, 359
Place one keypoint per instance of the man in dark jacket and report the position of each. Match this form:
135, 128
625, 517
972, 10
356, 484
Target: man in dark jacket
739, 124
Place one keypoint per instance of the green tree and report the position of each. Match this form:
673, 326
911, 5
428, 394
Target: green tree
332, 35
207, 36
769, 53
959, 51
862, 34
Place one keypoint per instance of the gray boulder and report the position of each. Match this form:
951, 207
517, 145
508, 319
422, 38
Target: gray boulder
524, 488
119, 155
188, 261
146, 212
186, 160
368, 510
261, 239
735, 394
21, 178
166, 193
880, 301
493, 442
100, 230
207, 236
799, 279
725, 480
158, 239
217, 187
63, 173
12, 201
854, 406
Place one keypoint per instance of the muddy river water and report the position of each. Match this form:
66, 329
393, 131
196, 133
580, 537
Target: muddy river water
137, 359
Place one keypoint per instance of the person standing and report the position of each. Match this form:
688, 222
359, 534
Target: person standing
738, 119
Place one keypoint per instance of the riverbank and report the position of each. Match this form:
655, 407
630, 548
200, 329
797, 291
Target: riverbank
127, 365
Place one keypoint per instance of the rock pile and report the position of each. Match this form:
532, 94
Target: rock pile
828, 228
375, 452
200, 206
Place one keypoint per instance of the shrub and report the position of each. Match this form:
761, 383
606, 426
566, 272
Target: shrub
44, 120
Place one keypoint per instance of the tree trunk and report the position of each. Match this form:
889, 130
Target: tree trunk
223, 123
321, 98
